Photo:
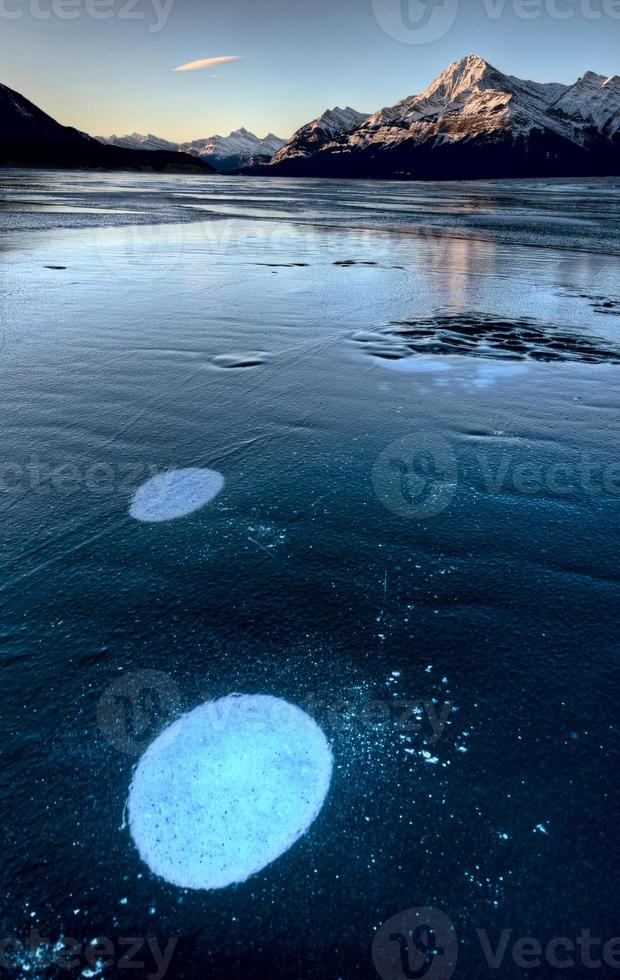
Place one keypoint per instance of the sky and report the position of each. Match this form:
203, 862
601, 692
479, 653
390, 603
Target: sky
107, 66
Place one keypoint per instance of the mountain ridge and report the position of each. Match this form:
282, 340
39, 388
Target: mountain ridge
474, 121
139, 141
224, 153
29, 137
317, 133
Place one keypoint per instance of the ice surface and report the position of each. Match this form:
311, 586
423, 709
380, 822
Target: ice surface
227, 789
175, 493
510, 593
535, 212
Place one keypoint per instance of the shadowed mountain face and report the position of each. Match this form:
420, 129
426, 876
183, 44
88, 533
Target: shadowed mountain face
308, 140
31, 138
474, 121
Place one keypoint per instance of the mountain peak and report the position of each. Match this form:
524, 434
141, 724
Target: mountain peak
472, 61
470, 72
591, 76
462, 79
472, 66
593, 100
339, 120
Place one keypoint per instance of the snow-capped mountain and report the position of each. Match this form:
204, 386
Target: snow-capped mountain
137, 141
593, 100
316, 134
227, 153
473, 121
469, 99
31, 138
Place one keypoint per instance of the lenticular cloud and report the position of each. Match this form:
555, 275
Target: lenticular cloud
227, 789
175, 493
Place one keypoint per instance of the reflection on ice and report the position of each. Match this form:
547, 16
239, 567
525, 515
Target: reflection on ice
175, 493
480, 374
227, 789
488, 374
414, 365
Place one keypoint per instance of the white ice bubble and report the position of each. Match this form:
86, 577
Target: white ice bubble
175, 493
227, 789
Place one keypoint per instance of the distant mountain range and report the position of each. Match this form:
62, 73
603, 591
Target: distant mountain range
135, 141
472, 121
243, 150
31, 138
239, 149
225, 153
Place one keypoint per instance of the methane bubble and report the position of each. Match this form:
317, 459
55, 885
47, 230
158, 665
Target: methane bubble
228, 788
175, 493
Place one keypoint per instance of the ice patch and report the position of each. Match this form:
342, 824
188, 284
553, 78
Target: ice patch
227, 789
488, 374
412, 365
175, 493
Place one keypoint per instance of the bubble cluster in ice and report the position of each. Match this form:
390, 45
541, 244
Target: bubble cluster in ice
175, 493
227, 789
480, 335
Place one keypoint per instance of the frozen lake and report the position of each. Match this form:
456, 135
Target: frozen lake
412, 395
